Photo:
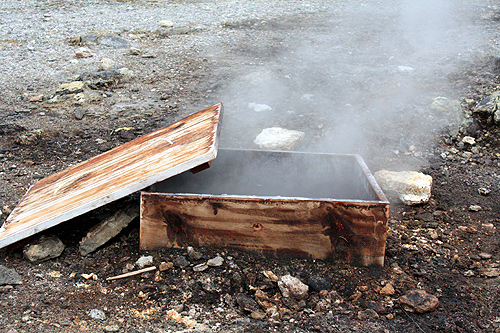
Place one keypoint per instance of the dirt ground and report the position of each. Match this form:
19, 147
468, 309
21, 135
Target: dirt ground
445, 247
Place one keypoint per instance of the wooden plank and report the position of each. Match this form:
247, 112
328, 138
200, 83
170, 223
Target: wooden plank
351, 231
115, 174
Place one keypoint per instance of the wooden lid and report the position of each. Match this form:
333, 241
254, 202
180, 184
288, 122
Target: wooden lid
114, 174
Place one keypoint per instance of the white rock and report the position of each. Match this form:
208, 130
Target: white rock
259, 107
292, 287
106, 64
278, 138
217, 261
411, 187
144, 261
469, 140
166, 23
97, 314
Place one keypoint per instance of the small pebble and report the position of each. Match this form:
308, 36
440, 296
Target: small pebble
484, 191
144, 261
165, 266
200, 267
112, 328
217, 261
475, 208
484, 255
97, 314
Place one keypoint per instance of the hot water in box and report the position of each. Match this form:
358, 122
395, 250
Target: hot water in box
285, 203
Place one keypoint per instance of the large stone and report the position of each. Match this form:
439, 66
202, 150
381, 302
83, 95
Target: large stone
46, 248
108, 229
277, 138
292, 287
9, 276
419, 301
411, 187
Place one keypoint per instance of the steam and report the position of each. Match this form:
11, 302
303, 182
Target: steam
371, 79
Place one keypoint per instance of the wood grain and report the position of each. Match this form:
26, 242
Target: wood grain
351, 231
115, 174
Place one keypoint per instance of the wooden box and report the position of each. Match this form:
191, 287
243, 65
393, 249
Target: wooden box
285, 203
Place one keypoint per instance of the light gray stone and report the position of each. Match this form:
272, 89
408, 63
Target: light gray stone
97, 314
9, 276
46, 248
108, 229
217, 261
292, 287
144, 261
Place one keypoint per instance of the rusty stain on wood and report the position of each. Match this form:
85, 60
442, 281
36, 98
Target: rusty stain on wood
350, 230
115, 174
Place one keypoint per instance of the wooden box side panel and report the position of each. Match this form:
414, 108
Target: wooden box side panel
302, 228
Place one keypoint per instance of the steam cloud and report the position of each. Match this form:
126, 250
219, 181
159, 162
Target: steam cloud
370, 79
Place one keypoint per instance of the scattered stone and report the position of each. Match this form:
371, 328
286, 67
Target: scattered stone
106, 78
79, 114
259, 107
79, 99
483, 191
112, 328
490, 105
9, 276
484, 255
166, 24
165, 266
107, 229
5, 289
388, 289
363, 288
292, 287
70, 88
490, 272
247, 303
200, 267
92, 276
277, 138
37, 98
135, 51
217, 261
271, 276
378, 307
258, 315
411, 187
46, 248
97, 314
469, 140
181, 261
144, 261
193, 254
106, 64
419, 301
475, 208
367, 314
83, 52
111, 41
263, 300
318, 283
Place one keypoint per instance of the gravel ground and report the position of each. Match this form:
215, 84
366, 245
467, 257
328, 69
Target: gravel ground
398, 83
